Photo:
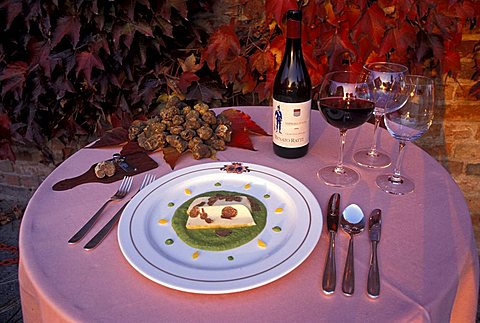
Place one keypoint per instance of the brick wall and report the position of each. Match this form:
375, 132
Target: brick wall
454, 138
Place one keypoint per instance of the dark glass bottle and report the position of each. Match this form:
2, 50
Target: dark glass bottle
292, 95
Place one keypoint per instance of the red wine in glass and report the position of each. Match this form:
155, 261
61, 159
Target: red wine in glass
346, 113
346, 102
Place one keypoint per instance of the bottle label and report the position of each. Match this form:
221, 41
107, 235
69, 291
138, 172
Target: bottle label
291, 123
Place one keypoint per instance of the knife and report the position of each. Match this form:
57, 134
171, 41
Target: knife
329, 273
374, 229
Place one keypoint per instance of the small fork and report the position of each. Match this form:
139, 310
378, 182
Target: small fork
95, 241
122, 191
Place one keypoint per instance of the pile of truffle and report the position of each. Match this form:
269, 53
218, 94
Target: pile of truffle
183, 127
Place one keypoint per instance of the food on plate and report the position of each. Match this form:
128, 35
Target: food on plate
183, 127
219, 220
105, 168
220, 211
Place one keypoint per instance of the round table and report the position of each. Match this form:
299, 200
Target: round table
427, 255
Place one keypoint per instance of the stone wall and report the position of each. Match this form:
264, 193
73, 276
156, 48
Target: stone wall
454, 140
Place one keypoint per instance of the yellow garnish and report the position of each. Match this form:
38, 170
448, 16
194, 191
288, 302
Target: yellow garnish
278, 210
188, 192
261, 244
163, 221
195, 255
247, 186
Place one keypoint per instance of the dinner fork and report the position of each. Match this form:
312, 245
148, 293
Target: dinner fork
122, 191
95, 241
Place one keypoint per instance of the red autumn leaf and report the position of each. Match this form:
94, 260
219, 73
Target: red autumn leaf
277, 8
201, 91
13, 78
233, 69
264, 89
399, 40
69, 25
262, 61
143, 28
372, 26
13, 8
86, 61
186, 79
171, 156
113, 137
39, 53
5, 126
123, 32
190, 64
451, 62
243, 122
221, 44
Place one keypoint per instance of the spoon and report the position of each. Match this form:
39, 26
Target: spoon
352, 222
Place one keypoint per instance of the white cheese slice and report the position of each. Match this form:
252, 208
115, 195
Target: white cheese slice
214, 213
199, 200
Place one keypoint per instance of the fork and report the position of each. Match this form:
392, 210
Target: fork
95, 241
122, 191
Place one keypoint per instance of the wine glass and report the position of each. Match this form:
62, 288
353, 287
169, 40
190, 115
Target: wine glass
407, 124
346, 102
387, 81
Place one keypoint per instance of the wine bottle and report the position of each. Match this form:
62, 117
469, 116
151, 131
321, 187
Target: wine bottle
292, 95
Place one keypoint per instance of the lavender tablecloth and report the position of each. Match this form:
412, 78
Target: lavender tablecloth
427, 255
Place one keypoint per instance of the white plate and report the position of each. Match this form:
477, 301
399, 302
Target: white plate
142, 238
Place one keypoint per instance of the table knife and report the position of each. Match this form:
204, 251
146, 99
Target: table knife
374, 230
329, 273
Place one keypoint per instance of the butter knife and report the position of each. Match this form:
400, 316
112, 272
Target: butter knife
329, 273
374, 230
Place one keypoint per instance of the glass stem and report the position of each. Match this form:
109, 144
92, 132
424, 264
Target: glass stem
396, 178
339, 169
373, 148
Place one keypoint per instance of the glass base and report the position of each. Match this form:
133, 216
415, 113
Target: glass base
402, 187
365, 158
333, 177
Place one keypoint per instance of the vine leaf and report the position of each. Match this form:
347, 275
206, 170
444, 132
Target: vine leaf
14, 8
40, 54
242, 127
372, 27
171, 156
13, 78
68, 25
86, 61
6, 151
186, 79
223, 43
262, 61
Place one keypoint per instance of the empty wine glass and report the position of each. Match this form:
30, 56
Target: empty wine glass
346, 102
387, 82
407, 124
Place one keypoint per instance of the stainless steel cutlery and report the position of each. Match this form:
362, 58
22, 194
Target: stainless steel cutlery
374, 230
98, 238
353, 222
329, 274
122, 191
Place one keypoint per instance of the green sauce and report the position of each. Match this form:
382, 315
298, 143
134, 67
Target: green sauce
206, 239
